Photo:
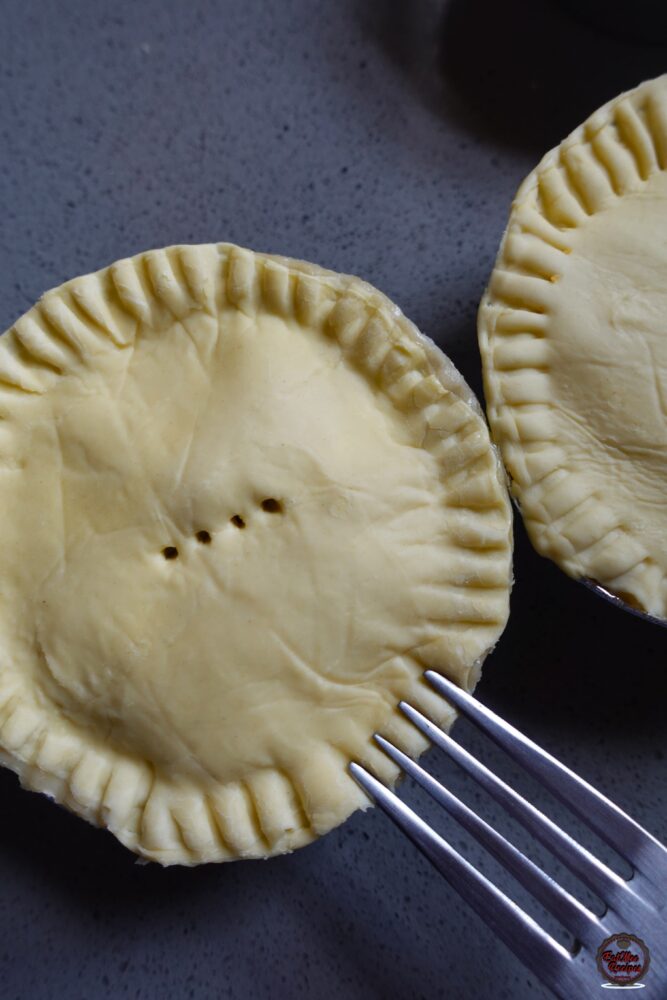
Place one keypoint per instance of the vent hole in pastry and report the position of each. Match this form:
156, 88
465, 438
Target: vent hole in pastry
238, 521
170, 552
204, 537
272, 506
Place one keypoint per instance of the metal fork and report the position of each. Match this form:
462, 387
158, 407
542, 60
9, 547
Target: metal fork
636, 905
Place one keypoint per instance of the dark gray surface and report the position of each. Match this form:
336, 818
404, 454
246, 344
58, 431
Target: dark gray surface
384, 139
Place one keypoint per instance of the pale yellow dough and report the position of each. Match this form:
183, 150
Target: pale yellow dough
573, 338
245, 504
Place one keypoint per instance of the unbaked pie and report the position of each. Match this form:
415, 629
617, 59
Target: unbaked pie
245, 504
573, 338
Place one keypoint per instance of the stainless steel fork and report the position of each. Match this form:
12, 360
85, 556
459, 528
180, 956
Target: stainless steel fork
634, 906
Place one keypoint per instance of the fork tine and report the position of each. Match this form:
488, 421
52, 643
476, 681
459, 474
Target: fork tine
618, 829
601, 879
583, 924
530, 943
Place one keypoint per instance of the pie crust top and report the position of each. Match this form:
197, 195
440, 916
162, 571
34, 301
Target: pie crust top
245, 505
573, 338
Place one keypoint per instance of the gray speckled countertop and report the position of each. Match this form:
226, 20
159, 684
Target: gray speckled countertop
384, 139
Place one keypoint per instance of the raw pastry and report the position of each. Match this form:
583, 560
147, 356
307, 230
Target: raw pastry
244, 505
572, 335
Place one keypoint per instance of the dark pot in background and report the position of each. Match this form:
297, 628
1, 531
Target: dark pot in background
634, 20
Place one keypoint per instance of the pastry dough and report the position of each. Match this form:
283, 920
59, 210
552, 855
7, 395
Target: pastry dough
245, 504
573, 341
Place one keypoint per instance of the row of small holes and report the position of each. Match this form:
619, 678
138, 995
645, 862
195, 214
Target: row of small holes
270, 505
